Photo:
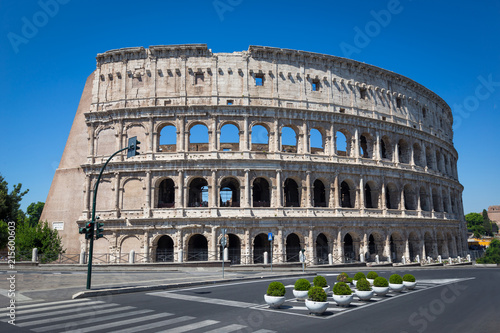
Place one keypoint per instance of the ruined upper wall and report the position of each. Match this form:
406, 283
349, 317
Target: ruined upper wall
184, 75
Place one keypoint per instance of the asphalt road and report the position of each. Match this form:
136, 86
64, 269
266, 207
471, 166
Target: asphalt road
448, 300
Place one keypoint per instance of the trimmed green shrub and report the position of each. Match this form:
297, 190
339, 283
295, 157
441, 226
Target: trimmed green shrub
359, 276
372, 275
302, 284
349, 280
395, 279
342, 277
341, 288
363, 285
276, 289
380, 282
408, 278
317, 294
320, 281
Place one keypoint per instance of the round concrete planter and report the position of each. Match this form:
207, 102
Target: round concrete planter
364, 295
380, 291
343, 300
274, 302
396, 287
326, 289
300, 294
316, 308
409, 285
371, 281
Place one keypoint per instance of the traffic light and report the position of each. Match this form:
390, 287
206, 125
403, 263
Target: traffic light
133, 147
89, 230
99, 230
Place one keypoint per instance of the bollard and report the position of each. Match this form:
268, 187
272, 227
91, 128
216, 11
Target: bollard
377, 259
362, 257
417, 258
459, 260
429, 260
468, 257
225, 254
265, 258
403, 261
330, 259
439, 259
34, 255
82, 257
131, 257
180, 256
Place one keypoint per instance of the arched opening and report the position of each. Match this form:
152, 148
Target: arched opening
409, 196
319, 194
417, 155
233, 249
229, 138
429, 251
424, 204
168, 139
441, 242
371, 197
198, 138
414, 246
391, 196
197, 248
375, 246
342, 144
439, 162
198, 193
260, 138
261, 245
445, 197
403, 152
451, 248
292, 248
260, 195
288, 140
385, 148
322, 249
349, 253
229, 193
372, 248
436, 201
291, 190
345, 195
166, 194
429, 158
165, 249
365, 146
316, 142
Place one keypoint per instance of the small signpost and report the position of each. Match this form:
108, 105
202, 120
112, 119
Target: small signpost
270, 237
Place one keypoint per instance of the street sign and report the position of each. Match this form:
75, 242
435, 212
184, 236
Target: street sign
270, 236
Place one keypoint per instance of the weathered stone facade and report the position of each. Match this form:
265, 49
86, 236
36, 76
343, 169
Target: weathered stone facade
393, 191
494, 214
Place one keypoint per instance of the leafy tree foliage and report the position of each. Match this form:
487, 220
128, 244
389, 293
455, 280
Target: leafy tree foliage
40, 236
33, 212
480, 224
4, 234
10, 202
492, 255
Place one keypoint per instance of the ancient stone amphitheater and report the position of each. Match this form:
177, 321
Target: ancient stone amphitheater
346, 160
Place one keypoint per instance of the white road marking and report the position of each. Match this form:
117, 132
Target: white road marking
227, 329
191, 327
208, 300
19, 297
156, 324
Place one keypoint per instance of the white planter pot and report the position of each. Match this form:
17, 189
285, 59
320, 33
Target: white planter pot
380, 291
343, 300
316, 308
274, 302
371, 281
396, 287
300, 294
409, 285
326, 289
364, 295
354, 282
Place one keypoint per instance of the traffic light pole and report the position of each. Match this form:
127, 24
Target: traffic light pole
91, 245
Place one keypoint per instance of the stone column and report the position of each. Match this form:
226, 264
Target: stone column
87, 195
337, 192
340, 246
246, 137
279, 246
334, 141
331, 196
382, 193
412, 158
117, 194
308, 189
402, 201
361, 194
275, 146
215, 190
306, 136
396, 153
213, 245
356, 143
146, 246
149, 205
310, 245
247, 199
91, 140
387, 247
179, 200
181, 136
279, 189
378, 149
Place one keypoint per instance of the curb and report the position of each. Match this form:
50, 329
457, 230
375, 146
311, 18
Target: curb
128, 290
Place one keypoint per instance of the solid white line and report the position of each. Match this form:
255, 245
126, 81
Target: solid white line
80, 314
57, 313
22, 307
155, 325
227, 329
205, 300
80, 323
191, 327
62, 306
121, 323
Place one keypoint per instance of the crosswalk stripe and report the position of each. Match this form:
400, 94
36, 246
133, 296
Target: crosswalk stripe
190, 327
50, 308
119, 323
22, 317
88, 321
204, 299
74, 301
74, 316
264, 331
227, 329
155, 324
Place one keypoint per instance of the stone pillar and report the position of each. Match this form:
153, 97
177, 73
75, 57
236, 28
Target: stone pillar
412, 158
378, 149
361, 194
387, 248
337, 192
279, 245
213, 197
356, 143
340, 246
149, 205
179, 200
308, 189
309, 247
146, 246
117, 194
87, 195
306, 136
334, 141
247, 199
213, 245
407, 249
276, 144
181, 135
246, 137
402, 201
279, 189
396, 153
382, 193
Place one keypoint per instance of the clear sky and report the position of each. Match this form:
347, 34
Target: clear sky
48, 48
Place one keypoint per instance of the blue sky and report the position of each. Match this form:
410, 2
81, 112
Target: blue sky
451, 47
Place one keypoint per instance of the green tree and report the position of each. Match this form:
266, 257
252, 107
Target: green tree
474, 219
10, 202
34, 211
492, 255
40, 236
4, 235
487, 223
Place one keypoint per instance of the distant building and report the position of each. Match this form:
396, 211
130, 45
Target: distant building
494, 214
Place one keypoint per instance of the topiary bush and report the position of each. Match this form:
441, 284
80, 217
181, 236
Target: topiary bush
276, 289
349, 280
359, 276
317, 294
320, 281
380, 282
395, 279
372, 275
341, 288
408, 278
363, 285
342, 277
302, 284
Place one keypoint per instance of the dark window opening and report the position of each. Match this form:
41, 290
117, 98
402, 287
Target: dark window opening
363, 93
292, 248
165, 249
166, 194
261, 245
363, 146
322, 249
291, 193
345, 195
259, 79
398, 102
198, 193
319, 194
199, 78
261, 193
349, 253
230, 102
197, 248
342, 110
315, 85
229, 193
368, 197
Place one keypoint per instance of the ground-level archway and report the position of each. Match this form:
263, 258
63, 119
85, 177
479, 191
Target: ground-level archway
165, 249
197, 248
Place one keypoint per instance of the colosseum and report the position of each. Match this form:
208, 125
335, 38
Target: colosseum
345, 160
